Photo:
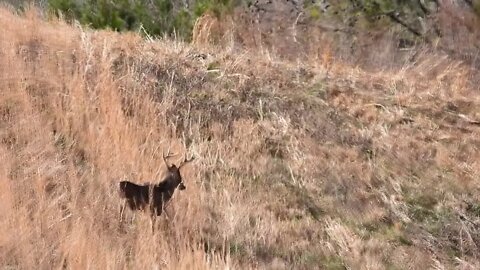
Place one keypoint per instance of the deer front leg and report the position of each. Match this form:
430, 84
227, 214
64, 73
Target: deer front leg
122, 210
166, 215
153, 220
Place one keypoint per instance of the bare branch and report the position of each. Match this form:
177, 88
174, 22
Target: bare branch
393, 16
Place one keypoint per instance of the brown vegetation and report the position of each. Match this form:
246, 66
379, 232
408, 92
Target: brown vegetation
299, 165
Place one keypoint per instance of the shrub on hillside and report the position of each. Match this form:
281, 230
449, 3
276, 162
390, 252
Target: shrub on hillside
157, 17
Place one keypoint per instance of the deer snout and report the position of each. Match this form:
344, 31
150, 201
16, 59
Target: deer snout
181, 186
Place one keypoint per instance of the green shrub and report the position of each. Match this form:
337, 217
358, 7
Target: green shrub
476, 7
157, 17
369, 13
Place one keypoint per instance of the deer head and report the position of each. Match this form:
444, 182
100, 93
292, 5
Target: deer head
173, 177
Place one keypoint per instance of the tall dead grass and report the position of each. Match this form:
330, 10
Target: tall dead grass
298, 166
65, 145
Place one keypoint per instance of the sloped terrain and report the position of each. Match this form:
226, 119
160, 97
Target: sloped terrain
298, 165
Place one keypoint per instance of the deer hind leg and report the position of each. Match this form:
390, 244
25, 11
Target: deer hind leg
133, 217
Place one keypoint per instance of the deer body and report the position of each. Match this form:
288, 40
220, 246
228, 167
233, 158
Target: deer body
136, 196
153, 196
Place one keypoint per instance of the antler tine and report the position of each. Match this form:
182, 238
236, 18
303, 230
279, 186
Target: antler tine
186, 160
167, 156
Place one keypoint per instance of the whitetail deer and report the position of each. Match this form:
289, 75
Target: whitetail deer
155, 196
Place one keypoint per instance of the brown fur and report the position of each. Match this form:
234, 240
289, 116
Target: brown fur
155, 196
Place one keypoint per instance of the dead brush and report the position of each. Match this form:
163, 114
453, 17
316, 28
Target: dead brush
209, 29
153, 197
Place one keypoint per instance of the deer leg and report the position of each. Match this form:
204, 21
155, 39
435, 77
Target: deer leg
122, 210
153, 220
154, 211
133, 217
166, 216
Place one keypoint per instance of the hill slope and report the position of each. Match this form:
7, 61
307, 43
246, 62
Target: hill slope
313, 165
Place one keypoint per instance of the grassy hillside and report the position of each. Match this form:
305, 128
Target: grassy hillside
312, 165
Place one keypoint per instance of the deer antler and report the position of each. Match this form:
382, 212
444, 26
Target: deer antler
167, 156
185, 160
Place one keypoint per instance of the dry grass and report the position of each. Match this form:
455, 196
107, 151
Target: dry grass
298, 165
